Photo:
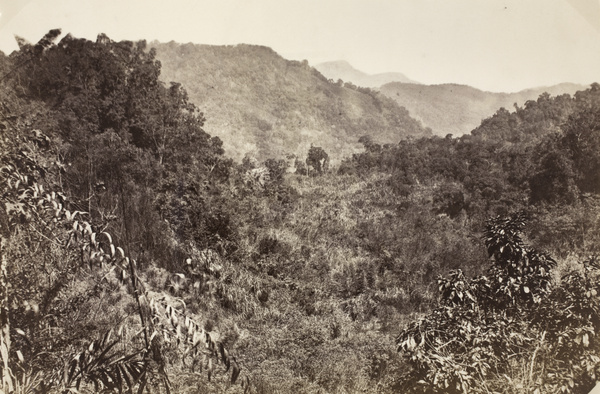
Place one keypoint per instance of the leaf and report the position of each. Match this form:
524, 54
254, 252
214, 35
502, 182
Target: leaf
468, 294
106, 338
246, 384
104, 378
107, 235
143, 380
123, 369
20, 356
118, 379
74, 364
411, 343
210, 368
222, 351
235, 372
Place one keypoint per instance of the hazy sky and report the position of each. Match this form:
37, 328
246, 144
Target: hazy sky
497, 45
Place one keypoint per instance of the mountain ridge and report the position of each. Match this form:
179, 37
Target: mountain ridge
341, 69
457, 109
261, 104
447, 108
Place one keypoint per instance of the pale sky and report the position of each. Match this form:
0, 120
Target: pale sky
496, 45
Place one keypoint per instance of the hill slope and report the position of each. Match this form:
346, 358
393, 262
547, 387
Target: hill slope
260, 103
446, 108
341, 69
458, 109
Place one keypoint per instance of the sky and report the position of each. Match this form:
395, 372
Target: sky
495, 45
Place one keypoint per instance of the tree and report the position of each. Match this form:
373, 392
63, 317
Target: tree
582, 139
318, 159
369, 145
554, 182
117, 126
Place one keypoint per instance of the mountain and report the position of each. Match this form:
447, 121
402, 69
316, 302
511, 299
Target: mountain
341, 69
261, 104
458, 109
446, 108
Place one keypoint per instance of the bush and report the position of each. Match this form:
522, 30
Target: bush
510, 324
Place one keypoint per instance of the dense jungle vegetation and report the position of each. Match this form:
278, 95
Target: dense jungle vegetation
137, 257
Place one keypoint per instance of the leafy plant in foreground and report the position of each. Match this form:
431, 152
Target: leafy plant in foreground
509, 326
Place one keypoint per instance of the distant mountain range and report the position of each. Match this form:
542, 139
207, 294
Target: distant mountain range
261, 104
458, 109
447, 108
341, 69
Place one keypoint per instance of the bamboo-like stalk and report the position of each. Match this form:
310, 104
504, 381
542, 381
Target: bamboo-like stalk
133, 273
6, 375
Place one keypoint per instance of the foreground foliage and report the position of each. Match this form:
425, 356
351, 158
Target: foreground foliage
87, 252
510, 327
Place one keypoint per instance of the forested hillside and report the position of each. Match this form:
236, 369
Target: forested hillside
458, 109
137, 257
261, 104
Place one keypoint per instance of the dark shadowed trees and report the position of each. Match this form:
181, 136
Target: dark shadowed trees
317, 159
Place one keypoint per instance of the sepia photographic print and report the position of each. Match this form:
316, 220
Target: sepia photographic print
276, 196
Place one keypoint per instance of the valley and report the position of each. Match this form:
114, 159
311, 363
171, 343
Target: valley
192, 218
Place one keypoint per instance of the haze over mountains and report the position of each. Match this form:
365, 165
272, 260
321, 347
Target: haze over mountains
445, 108
261, 104
341, 69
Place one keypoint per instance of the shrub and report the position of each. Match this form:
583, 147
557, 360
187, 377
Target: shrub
509, 325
